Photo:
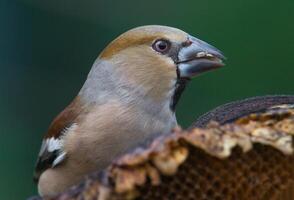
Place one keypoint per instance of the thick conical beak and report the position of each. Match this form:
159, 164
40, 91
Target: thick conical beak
198, 57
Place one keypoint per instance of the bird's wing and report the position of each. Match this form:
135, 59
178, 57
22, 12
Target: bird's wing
51, 151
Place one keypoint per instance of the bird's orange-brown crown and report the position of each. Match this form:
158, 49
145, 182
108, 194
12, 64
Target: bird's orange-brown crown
143, 35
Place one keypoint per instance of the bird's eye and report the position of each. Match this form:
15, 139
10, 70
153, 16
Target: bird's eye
161, 46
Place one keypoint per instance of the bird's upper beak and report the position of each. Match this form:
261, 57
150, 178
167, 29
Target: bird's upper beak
198, 57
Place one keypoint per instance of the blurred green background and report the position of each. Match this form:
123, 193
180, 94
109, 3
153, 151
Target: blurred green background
48, 47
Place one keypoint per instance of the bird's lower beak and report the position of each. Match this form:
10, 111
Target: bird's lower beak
198, 57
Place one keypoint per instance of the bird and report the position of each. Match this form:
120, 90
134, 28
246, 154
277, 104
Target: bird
129, 96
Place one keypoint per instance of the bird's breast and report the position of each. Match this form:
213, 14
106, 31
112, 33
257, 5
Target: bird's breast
111, 129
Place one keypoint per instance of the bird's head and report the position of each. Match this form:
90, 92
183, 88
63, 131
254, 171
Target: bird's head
158, 61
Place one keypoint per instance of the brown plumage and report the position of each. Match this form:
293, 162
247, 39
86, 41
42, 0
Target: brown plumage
128, 98
65, 118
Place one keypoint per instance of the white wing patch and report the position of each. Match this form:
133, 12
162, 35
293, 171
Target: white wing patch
59, 159
55, 145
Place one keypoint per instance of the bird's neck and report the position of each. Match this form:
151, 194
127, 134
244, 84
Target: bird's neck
106, 83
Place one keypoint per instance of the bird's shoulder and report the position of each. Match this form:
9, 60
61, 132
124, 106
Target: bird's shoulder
51, 152
64, 120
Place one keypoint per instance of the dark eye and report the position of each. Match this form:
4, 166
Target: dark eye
161, 46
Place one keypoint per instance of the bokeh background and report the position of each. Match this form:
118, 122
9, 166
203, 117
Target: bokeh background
48, 47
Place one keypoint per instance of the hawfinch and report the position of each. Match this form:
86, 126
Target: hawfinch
129, 96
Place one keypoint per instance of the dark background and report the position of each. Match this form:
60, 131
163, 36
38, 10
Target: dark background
48, 47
